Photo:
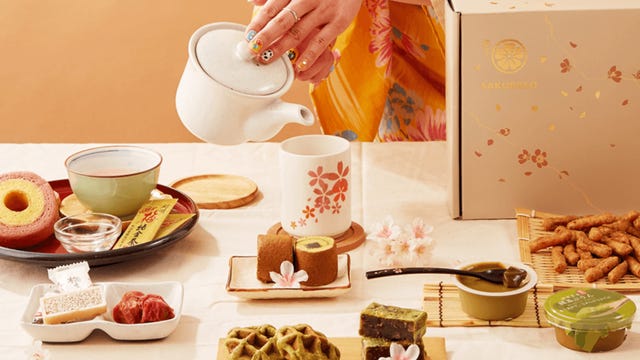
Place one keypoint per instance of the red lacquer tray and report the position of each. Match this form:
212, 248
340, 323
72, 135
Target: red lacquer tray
50, 253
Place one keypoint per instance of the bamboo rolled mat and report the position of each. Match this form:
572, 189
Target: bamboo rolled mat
442, 304
529, 224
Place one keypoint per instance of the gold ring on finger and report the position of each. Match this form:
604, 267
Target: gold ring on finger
293, 13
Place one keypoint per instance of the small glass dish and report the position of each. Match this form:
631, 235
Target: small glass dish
88, 232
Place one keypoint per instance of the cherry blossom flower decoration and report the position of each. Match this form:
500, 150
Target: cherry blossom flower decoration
36, 352
288, 278
397, 352
393, 246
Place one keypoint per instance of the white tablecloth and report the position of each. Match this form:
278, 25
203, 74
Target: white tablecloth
403, 180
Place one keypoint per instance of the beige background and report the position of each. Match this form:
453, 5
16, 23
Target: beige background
103, 70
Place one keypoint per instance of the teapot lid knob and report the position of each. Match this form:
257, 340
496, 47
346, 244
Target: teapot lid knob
224, 55
242, 52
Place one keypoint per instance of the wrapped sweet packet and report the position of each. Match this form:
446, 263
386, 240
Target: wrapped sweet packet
66, 279
146, 223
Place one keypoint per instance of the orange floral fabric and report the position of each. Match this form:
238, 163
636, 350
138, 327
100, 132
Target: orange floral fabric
388, 81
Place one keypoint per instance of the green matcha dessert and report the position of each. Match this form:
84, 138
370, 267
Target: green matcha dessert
375, 348
392, 323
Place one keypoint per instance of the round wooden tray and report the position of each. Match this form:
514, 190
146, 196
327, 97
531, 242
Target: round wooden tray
218, 191
349, 240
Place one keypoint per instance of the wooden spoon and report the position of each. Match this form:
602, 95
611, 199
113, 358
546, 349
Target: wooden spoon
511, 277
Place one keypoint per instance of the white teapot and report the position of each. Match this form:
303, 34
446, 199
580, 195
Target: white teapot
226, 97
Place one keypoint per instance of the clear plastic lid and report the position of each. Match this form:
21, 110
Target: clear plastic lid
222, 53
589, 309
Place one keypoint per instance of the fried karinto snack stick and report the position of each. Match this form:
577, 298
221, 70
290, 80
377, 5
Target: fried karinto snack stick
620, 236
630, 216
584, 254
586, 222
554, 239
617, 272
599, 271
558, 260
571, 254
634, 265
584, 264
618, 247
597, 249
619, 225
551, 223
632, 230
635, 244
597, 233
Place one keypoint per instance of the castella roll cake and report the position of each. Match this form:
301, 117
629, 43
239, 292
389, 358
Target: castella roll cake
273, 249
28, 209
318, 256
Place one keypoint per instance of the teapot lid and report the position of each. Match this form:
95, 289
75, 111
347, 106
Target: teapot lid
223, 54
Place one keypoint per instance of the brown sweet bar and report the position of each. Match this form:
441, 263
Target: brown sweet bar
392, 323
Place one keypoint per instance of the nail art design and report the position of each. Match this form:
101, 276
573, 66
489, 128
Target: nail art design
250, 35
292, 54
256, 45
267, 55
302, 64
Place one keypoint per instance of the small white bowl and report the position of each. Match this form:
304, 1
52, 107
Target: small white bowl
488, 305
88, 232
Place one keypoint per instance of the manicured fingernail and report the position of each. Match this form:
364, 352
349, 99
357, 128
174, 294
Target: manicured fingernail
255, 45
250, 35
292, 54
266, 55
302, 64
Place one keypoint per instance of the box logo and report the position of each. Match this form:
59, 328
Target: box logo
509, 56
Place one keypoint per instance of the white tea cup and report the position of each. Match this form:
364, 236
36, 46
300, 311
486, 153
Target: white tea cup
315, 173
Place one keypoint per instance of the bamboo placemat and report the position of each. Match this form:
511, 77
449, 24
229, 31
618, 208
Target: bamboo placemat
529, 223
442, 304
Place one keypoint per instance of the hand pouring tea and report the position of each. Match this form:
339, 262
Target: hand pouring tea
225, 97
511, 277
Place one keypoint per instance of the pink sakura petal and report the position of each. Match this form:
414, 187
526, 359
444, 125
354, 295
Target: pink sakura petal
287, 277
300, 276
286, 268
412, 352
397, 352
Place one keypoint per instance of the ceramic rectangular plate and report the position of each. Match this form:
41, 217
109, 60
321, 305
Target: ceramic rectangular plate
242, 282
171, 292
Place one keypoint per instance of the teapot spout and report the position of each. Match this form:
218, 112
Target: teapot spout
266, 123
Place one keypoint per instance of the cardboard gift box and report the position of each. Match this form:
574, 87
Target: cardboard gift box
543, 106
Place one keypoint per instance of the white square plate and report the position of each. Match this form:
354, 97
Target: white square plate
243, 282
171, 292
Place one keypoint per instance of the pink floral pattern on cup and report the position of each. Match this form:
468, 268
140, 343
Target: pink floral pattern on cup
329, 194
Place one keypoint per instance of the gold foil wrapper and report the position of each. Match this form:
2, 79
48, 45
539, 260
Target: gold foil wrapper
146, 224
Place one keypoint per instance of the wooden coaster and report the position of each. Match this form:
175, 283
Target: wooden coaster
351, 348
218, 191
70, 205
349, 240
442, 304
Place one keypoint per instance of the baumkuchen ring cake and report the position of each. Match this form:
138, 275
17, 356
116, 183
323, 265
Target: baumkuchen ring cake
272, 251
318, 256
28, 209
